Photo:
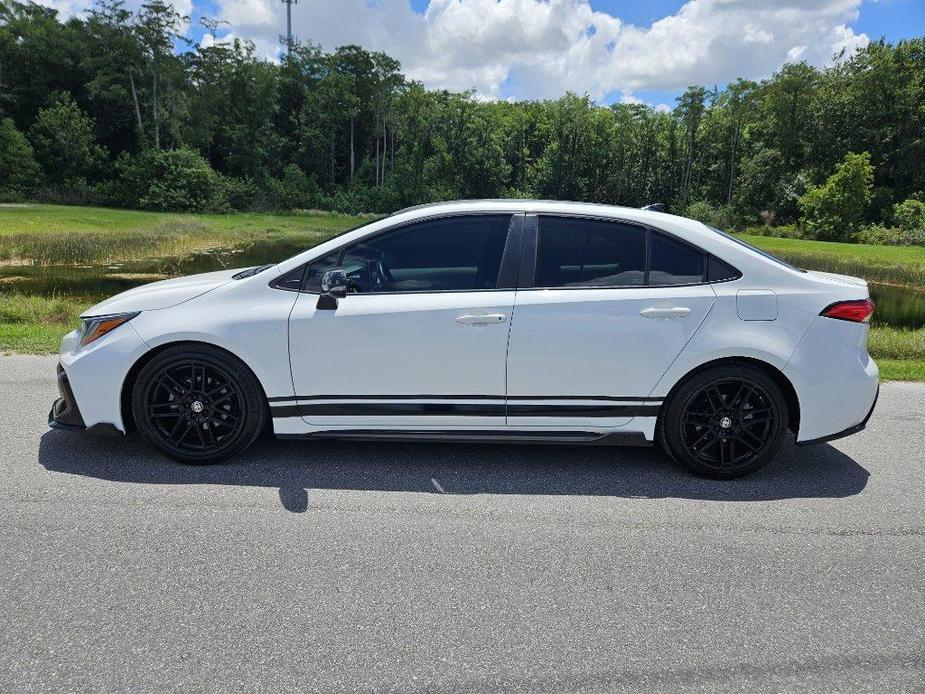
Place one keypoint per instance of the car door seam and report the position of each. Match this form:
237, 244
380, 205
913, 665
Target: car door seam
687, 342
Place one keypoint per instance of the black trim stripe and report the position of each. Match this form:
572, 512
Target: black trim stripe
393, 409
582, 411
606, 398
387, 397
288, 411
397, 409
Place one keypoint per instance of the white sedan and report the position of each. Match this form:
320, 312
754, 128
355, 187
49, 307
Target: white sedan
487, 321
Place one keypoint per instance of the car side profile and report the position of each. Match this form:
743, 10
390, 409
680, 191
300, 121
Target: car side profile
487, 321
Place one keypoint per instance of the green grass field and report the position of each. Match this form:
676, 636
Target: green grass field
62, 234
903, 265
48, 234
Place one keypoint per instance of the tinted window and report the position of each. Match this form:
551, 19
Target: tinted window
718, 271
317, 269
589, 253
291, 281
455, 253
673, 262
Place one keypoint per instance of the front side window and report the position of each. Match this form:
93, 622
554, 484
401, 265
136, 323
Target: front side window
318, 268
589, 253
447, 254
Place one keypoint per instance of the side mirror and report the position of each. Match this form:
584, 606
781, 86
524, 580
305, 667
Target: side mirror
333, 287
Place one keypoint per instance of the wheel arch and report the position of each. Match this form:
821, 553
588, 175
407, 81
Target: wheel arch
790, 393
128, 383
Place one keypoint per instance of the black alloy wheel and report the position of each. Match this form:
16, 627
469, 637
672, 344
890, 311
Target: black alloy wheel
726, 422
198, 405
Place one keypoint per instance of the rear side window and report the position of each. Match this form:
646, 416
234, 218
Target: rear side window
718, 271
673, 262
589, 253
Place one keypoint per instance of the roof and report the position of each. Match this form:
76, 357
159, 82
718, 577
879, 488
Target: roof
551, 206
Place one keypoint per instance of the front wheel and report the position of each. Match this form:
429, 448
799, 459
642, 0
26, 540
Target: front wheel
725, 422
197, 404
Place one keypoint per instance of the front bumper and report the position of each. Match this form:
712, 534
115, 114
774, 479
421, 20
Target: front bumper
65, 415
93, 380
64, 412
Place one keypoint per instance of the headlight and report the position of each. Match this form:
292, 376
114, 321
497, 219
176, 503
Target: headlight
94, 327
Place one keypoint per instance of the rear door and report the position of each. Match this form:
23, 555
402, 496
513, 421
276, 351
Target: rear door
599, 316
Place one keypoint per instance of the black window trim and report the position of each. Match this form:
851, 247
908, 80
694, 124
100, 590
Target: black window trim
275, 283
505, 274
531, 236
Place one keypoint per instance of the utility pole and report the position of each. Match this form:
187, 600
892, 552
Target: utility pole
288, 41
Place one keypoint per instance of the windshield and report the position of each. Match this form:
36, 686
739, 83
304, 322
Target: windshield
760, 252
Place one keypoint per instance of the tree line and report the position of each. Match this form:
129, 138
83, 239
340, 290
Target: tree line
116, 107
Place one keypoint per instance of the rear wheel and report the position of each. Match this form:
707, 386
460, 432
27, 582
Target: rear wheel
725, 422
198, 405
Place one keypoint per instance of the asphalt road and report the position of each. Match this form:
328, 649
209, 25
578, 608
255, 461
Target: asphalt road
456, 568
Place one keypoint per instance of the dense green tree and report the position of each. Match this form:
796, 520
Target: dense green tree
345, 129
835, 210
19, 172
64, 142
158, 28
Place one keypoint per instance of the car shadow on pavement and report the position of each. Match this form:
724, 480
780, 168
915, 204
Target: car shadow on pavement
293, 467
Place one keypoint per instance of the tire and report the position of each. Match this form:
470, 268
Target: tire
198, 404
725, 422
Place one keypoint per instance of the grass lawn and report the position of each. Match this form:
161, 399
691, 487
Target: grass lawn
74, 235
63, 234
889, 264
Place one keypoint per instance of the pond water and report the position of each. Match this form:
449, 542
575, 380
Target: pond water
96, 282
898, 306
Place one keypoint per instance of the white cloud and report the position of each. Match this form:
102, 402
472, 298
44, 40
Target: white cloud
629, 98
69, 8
541, 48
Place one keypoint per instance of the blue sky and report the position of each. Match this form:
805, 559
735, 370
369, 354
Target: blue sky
613, 50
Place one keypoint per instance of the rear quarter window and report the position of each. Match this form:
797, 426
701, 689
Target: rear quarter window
673, 262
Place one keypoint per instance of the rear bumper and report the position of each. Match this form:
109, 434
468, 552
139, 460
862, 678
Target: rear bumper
845, 432
835, 380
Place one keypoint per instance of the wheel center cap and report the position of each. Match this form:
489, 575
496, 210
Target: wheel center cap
724, 423
196, 407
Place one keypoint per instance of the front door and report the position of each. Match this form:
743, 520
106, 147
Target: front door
420, 340
610, 308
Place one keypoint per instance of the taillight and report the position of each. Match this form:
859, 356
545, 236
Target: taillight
856, 311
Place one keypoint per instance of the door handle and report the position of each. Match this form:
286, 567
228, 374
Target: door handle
481, 318
665, 312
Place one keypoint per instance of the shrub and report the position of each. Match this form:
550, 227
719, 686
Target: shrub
722, 217
910, 215
784, 231
891, 236
835, 210
19, 172
178, 180
244, 194
294, 190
